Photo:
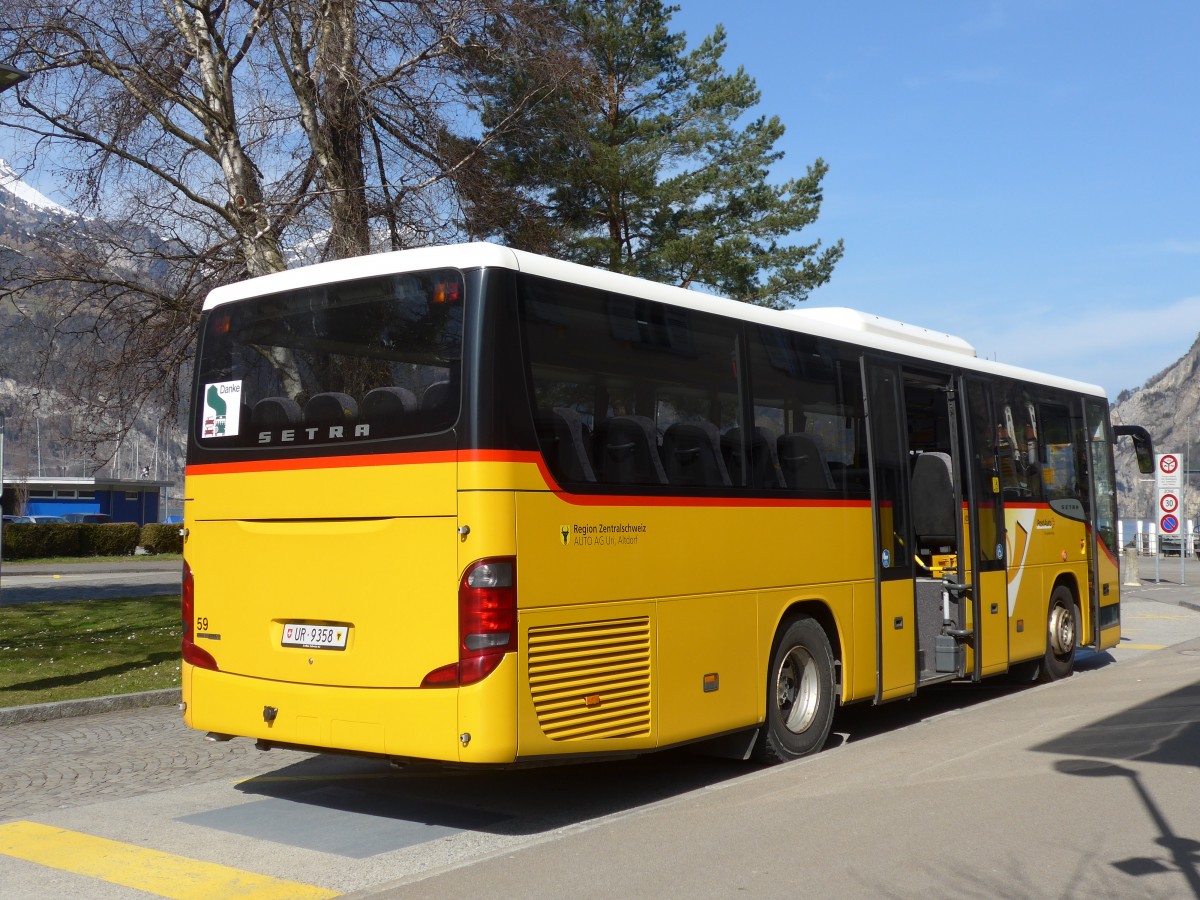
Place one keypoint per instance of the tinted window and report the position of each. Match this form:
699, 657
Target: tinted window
1100, 446
1018, 442
808, 432
1064, 455
630, 392
343, 362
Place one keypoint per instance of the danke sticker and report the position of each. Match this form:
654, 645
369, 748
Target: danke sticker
222, 409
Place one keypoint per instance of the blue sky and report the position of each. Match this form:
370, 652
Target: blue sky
1025, 175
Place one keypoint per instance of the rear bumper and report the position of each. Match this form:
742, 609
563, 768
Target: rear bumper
476, 724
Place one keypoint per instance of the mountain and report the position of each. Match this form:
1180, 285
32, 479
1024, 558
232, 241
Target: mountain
22, 200
40, 420
1167, 405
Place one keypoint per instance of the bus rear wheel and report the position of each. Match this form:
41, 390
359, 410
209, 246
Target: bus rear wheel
800, 693
1062, 639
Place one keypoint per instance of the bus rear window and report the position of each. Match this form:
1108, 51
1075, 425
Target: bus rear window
330, 364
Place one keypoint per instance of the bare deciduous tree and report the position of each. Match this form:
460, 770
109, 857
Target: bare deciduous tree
204, 141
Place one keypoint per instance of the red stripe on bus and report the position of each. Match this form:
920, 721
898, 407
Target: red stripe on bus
509, 456
376, 459
729, 502
322, 462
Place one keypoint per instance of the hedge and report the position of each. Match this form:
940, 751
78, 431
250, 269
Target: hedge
110, 539
24, 541
160, 538
32, 541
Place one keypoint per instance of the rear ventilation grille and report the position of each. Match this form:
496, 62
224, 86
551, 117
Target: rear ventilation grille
591, 680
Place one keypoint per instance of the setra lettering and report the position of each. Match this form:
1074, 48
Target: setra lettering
332, 433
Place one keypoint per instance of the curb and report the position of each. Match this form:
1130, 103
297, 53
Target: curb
64, 709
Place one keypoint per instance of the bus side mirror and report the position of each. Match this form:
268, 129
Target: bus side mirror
1143, 446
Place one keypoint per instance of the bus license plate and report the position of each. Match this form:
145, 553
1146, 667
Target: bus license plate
319, 637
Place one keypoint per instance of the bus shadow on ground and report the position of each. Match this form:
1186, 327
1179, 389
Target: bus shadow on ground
362, 807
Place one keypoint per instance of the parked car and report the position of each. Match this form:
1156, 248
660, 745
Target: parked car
48, 520
18, 520
91, 518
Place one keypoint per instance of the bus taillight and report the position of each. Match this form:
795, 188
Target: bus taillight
191, 653
487, 622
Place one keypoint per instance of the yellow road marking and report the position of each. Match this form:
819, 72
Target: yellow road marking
158, 873
1124, 646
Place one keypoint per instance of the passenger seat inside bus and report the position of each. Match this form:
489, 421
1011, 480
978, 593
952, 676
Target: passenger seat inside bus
436, 396
565, 443
934, 518
272, 413
627, 451
803, 463
755, 465
386, 410
691, 454
329, 409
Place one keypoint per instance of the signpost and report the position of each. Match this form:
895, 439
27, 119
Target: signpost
1168, 479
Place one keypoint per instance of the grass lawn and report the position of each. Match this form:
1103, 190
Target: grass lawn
11, 564
88, 648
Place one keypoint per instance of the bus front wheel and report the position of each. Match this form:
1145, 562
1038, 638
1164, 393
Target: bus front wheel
800, 693
1062, 638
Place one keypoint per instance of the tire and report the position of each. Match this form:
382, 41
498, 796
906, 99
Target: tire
1062, 636
800, 693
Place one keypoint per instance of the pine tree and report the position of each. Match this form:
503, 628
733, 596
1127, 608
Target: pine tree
639, 163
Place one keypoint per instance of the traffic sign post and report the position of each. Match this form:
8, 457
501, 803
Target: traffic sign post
1168, 479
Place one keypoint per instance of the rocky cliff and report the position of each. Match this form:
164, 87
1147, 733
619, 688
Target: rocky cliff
1168, 405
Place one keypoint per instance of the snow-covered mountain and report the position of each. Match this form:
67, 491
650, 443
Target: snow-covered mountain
11, 186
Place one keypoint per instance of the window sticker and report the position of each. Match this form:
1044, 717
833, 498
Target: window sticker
222, 409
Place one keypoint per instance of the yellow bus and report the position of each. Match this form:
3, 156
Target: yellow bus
473, 505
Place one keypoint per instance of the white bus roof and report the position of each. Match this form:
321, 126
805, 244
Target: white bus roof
837, 323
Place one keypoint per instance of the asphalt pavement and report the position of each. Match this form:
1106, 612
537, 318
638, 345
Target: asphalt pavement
39, 583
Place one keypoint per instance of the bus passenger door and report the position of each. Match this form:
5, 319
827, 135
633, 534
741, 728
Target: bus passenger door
983, 527
895, 616
960, 586
1103, 552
